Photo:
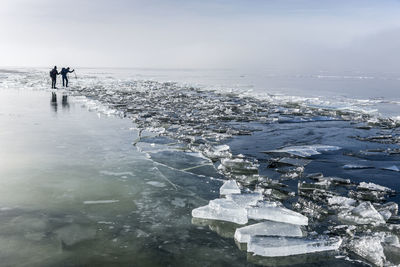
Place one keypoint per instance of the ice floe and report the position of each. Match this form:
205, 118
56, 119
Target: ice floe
304, 151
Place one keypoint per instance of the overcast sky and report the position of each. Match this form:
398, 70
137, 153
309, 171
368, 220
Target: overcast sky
292, 34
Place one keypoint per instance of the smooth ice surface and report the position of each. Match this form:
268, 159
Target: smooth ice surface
304, 151
74, 234
91, 202
286, 246
222, 209
365, 213
53, 158
229, 187
267, 228
246, 199
271, 211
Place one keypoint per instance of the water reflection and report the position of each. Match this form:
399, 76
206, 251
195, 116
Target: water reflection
53, 101
54, 104
64, 102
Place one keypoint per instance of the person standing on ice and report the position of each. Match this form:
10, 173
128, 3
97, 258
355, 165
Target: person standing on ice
53, 76
64, 72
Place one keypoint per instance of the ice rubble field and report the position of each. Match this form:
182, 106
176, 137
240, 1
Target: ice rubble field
278, 205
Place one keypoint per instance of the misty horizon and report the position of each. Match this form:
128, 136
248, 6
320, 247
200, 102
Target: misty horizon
287, 35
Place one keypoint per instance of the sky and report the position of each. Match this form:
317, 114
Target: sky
286, 34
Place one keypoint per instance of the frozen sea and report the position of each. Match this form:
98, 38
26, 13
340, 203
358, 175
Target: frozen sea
110, 173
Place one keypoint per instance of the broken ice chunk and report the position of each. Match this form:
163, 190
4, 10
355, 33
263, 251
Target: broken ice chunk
271, 211
286, 246
229, 187
290, 161
387, 210
267, 228
245, 200
304, 151
217, 152
334, 180
341, 201
373, 187
238, 166
222, 209
365, 213
369, 248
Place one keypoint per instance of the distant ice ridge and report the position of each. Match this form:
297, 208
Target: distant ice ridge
304, 151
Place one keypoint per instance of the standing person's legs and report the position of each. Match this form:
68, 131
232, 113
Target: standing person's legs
66, 81
63, 78
53, 83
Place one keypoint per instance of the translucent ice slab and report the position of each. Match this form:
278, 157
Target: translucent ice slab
369, 248
304, 151
222, 209
245, 200
229, 187
373, 187
271, 211
267, 228
286, 246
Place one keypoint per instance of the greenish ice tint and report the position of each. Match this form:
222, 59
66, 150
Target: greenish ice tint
74, 191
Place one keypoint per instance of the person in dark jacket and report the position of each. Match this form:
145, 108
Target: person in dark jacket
53, 75
64, 72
